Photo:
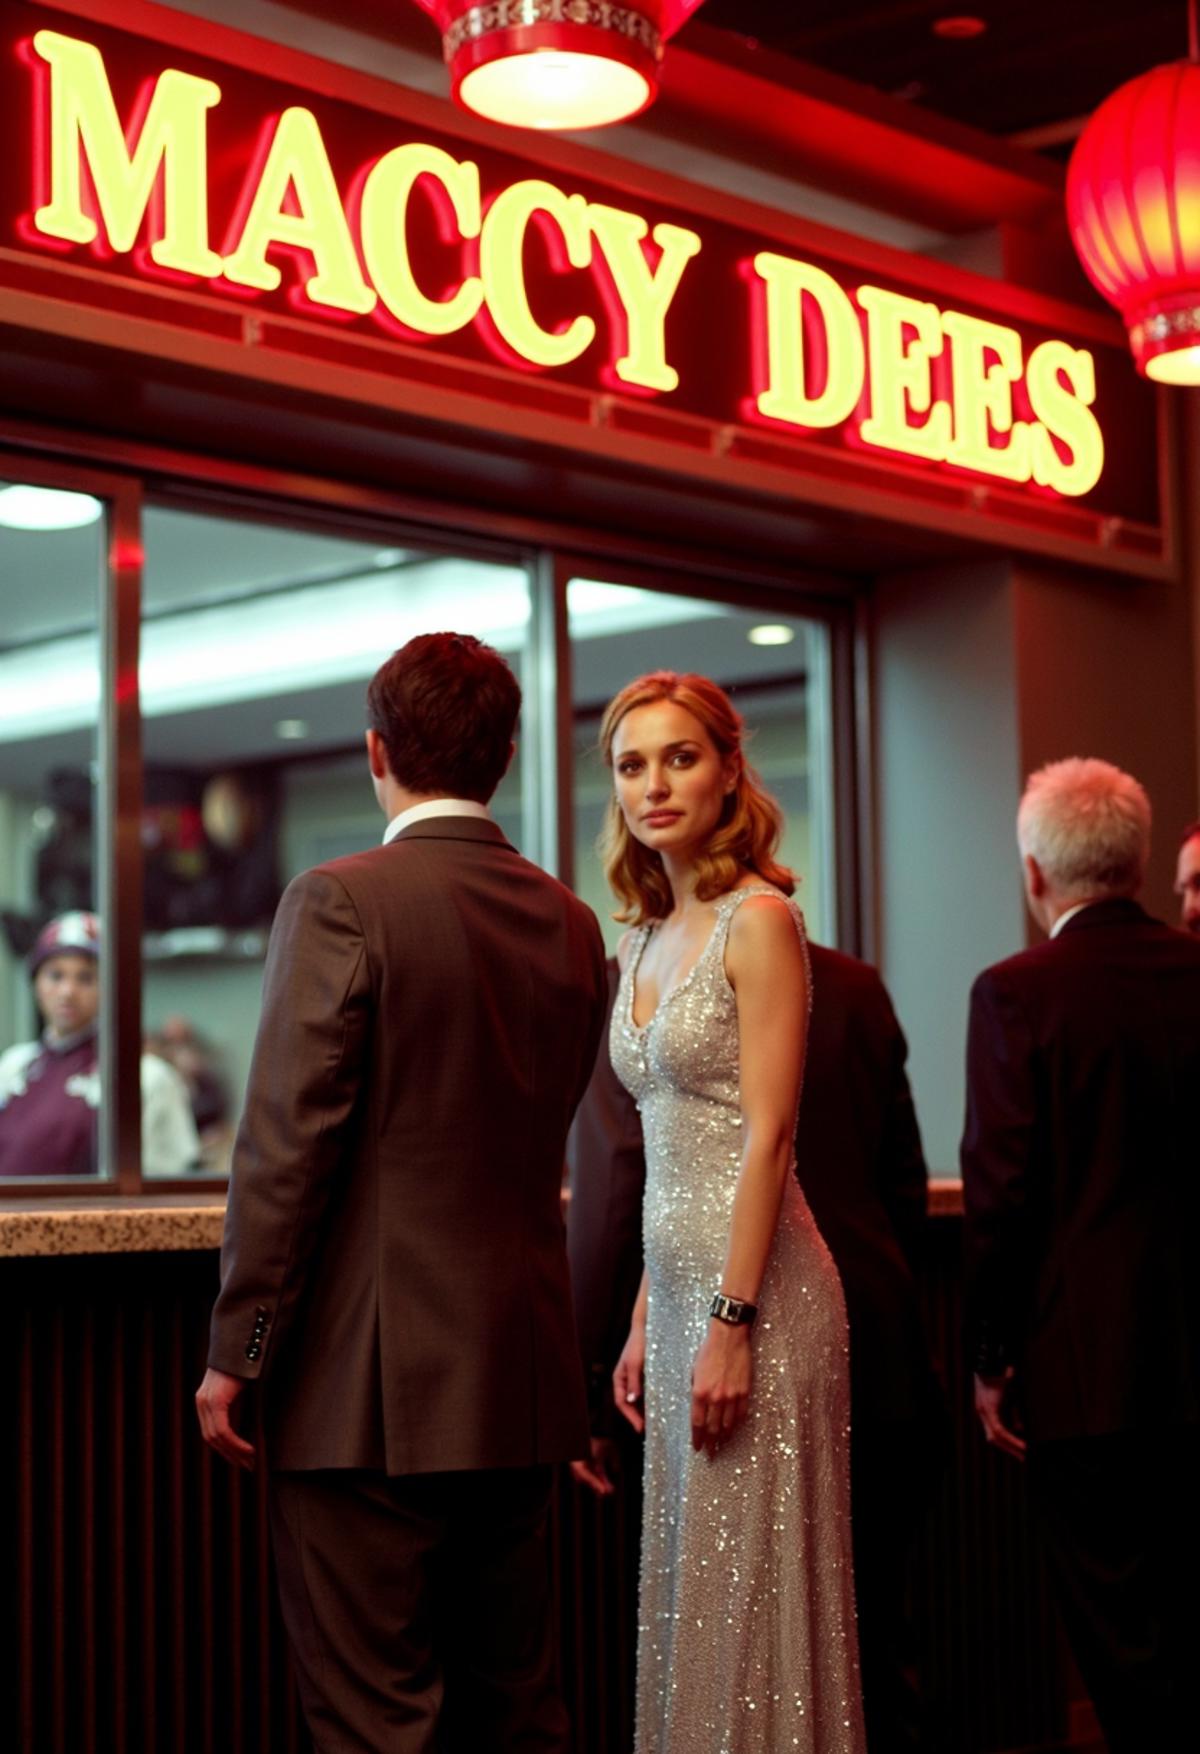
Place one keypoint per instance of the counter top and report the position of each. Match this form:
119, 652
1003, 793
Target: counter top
112, 1224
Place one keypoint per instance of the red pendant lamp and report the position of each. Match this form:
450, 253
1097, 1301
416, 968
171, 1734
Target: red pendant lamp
556, 63
1133, 207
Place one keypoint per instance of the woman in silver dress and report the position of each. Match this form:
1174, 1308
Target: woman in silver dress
736, 1364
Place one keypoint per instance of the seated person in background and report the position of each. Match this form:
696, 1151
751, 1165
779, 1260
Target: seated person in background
182, 1046
50, 1088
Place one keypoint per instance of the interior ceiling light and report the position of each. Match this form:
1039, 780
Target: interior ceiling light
771, 634
959, 27
556, 63
1133, 207
47, 508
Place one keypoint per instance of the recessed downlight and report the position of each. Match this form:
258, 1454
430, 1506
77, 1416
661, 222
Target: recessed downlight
291, 730
959, 27
23, 507
771, 633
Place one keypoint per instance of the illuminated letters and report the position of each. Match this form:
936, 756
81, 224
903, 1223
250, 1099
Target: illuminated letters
942, 386
384, 220
1064, 411
786, 396
983, 397
297, 161
901, 374
84, 124
645, 293
501, 263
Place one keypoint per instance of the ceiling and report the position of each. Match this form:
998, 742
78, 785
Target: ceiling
1038, 62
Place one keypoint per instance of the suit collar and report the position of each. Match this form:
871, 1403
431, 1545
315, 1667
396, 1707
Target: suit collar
454, 828
1120, 911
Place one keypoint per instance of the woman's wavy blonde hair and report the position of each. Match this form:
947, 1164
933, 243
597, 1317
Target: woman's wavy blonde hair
747, 833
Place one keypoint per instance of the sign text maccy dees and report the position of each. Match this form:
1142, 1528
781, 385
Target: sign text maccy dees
150, 165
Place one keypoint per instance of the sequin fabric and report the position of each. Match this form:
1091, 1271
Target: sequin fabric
746, 1639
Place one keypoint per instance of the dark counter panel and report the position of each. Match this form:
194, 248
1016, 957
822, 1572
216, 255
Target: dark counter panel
145, 1613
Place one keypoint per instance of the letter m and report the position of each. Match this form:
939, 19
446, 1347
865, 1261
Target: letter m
171, 142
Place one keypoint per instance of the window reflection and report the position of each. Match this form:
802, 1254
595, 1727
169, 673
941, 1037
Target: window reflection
776, 668
258, 643
51, 958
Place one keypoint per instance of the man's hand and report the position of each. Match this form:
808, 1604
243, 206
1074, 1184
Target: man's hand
594, 1473
216, 1399
999, 1426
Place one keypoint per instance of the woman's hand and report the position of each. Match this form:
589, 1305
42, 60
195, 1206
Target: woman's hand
722, 1376
629, 1377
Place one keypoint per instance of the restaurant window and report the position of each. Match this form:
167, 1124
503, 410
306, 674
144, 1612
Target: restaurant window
52, 960
258, 642
776, 668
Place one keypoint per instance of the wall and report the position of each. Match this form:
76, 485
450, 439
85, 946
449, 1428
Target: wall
983, 673
948, 777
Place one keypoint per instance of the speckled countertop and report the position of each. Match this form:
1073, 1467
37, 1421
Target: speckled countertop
110, 1224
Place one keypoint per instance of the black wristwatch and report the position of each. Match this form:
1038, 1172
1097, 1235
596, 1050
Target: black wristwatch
732, 1310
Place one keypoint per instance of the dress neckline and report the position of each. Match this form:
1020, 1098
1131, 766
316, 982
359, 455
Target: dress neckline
680, 985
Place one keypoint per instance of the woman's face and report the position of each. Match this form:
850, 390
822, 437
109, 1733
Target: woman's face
671, 782
67, 989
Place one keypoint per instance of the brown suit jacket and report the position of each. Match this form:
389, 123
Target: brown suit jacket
393, 1263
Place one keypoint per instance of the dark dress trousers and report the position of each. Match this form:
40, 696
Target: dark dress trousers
394, 1270
1080, 1162
859, 1160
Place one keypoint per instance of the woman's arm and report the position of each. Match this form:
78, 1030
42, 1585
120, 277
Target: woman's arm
629, 1376
766, 966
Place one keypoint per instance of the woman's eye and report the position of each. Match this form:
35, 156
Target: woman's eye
684, 758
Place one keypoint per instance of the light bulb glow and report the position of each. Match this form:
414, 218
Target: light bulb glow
1181, 366
555, 88
23, 507
771, 634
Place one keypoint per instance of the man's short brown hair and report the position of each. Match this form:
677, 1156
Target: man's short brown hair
446, 708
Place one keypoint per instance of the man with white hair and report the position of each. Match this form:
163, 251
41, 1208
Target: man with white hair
1080, 1180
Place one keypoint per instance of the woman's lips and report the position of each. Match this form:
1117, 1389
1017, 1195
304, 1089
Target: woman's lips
659, 818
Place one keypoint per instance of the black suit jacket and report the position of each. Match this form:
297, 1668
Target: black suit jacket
859, 1160
1080, 1171
393, 1261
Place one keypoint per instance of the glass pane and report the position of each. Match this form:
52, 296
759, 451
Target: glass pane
776, 669
52, 547
258, 643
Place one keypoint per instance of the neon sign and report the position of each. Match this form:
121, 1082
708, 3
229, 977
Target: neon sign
425, 245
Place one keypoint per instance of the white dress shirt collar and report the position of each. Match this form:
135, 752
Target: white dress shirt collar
434, 807
1062, 919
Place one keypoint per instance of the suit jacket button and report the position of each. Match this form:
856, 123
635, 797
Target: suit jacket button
252, 1351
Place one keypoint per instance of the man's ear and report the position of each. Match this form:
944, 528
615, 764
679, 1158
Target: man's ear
1035, 877
377, 756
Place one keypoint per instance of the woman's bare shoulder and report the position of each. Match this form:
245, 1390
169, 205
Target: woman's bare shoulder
625, 946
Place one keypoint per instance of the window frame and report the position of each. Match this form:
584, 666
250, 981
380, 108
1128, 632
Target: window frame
127, 476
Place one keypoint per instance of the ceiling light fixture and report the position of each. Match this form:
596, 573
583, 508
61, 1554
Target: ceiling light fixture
959, 27
772, 633
556, 64
1133, 207
291, 730
47, 508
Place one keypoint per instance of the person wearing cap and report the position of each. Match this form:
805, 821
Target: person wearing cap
50, 1088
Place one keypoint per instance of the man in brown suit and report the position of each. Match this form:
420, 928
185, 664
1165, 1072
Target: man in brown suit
393, 1269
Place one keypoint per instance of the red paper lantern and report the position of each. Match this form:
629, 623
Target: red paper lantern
556, 63
1133, 206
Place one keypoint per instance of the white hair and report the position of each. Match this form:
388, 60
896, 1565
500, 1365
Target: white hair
1088, 826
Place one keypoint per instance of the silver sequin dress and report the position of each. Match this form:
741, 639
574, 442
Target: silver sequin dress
747, 1640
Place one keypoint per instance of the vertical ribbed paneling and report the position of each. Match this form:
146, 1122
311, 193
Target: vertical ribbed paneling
145, 1620
145, 1612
